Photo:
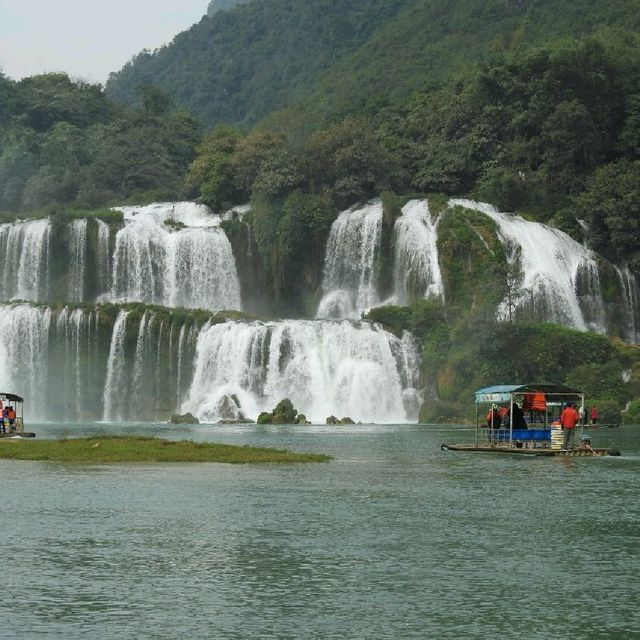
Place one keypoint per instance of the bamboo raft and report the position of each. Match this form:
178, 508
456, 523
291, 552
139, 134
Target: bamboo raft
549, 453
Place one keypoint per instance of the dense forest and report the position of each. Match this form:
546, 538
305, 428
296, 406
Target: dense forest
65, 142
304, 109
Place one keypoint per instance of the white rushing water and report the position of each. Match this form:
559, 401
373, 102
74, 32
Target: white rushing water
24, 260
325, 368
349, 278
115, 388
631, 304
174, 255
77, 259
24, 341
561, 279
416, 272
103, 256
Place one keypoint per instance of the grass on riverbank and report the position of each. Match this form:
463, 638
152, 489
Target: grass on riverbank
110, 449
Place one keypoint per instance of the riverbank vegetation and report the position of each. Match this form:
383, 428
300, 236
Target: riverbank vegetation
461, 354
118, 449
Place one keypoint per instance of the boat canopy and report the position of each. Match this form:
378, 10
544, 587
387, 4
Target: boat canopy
503, 392
12, 397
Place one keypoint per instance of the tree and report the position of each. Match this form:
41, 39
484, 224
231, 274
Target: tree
212, 174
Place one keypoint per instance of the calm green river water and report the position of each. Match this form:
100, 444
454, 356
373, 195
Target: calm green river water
392, 539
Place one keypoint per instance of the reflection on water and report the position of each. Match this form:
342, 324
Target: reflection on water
392, 539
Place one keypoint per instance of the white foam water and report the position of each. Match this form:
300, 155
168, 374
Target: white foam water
559, 273
349, 278
340, 368
416, 272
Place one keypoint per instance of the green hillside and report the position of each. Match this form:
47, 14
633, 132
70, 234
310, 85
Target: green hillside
326, 58
238, 66
432, 40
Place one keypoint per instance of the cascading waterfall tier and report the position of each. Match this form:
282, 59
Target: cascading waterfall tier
174, 255
24, 260
100, 363
561, 282
349, 279
631, 304
416, 272
78, 258
350, 276
343, 368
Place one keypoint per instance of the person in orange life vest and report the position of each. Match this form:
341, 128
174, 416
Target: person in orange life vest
568, 419
594, 415
11, 415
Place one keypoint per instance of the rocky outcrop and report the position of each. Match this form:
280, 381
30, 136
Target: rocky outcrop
185, 418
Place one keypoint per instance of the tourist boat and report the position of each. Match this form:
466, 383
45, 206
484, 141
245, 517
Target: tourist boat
540, 406
17, 429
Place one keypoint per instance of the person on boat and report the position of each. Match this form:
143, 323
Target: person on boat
568, 420
519, 421
5, 418
594, 415
11, 416
494, 419
582, 413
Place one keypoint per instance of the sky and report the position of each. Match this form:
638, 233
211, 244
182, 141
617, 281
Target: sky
87, 38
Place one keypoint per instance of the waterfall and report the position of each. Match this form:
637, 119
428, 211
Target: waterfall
349, 278
24, 340
174, 255
631, 300
103, 257
77, 259
24, 260
116, 383
342, 368
561, 279
416, 270
69, 386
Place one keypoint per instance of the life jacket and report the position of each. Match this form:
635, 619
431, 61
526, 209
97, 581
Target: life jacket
539, 402
11, 414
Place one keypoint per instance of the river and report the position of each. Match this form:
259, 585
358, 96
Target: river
392, 539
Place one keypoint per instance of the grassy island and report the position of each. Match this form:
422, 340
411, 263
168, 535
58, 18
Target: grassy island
112, 449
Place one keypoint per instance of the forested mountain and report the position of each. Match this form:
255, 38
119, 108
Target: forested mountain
238, 66
328, 58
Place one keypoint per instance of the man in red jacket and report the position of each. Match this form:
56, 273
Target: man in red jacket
568, 419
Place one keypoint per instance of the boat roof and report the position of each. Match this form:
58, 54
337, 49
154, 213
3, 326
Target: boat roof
12, 397
503, 392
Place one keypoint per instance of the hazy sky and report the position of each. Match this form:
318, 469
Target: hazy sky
87, 38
